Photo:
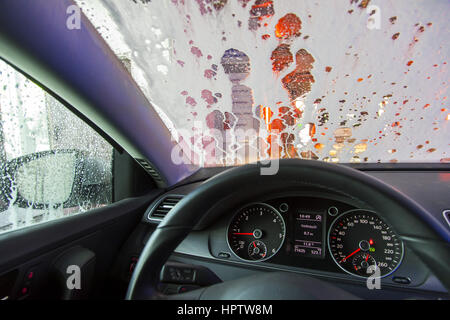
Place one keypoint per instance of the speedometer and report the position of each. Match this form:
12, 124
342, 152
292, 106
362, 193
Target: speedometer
363, 245
256, 232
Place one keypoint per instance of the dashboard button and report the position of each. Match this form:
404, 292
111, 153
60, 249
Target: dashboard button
24, 292
179, 275
183, 289
187, 275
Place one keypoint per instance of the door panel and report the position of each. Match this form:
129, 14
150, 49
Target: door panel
27, 255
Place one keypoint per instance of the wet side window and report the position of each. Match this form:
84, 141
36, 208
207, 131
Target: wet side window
52, 164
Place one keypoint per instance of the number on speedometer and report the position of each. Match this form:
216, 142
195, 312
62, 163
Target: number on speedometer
362, 244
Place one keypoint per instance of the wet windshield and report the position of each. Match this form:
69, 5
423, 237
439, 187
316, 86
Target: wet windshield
242, 80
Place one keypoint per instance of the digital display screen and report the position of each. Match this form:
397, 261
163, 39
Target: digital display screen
308, 235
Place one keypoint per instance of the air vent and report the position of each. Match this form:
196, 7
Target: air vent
446, 214
149, 168
163, 207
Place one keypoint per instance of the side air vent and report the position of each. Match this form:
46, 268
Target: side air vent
148, 167
446, 214
163, 206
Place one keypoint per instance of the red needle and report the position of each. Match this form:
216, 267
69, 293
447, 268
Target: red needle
359, 249
367, 257
243, 234
254, 244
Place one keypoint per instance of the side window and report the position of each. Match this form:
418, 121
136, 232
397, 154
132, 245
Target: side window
52, 164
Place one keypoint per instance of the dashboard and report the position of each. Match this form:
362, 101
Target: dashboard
311, 232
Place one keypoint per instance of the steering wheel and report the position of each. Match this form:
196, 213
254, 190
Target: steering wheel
418, 229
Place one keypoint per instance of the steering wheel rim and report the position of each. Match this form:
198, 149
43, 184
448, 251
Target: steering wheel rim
415, 226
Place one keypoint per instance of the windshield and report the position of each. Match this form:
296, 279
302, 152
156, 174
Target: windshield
243, 80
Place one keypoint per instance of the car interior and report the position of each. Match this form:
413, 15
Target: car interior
224, 150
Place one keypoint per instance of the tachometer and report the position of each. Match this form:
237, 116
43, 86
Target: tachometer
256, 232
362, 244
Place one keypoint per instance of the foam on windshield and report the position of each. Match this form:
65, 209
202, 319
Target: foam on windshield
340, 81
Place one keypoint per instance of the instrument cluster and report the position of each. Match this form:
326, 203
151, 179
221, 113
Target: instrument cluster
314, 231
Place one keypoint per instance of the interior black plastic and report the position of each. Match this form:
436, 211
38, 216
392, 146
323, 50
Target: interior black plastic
35, 249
